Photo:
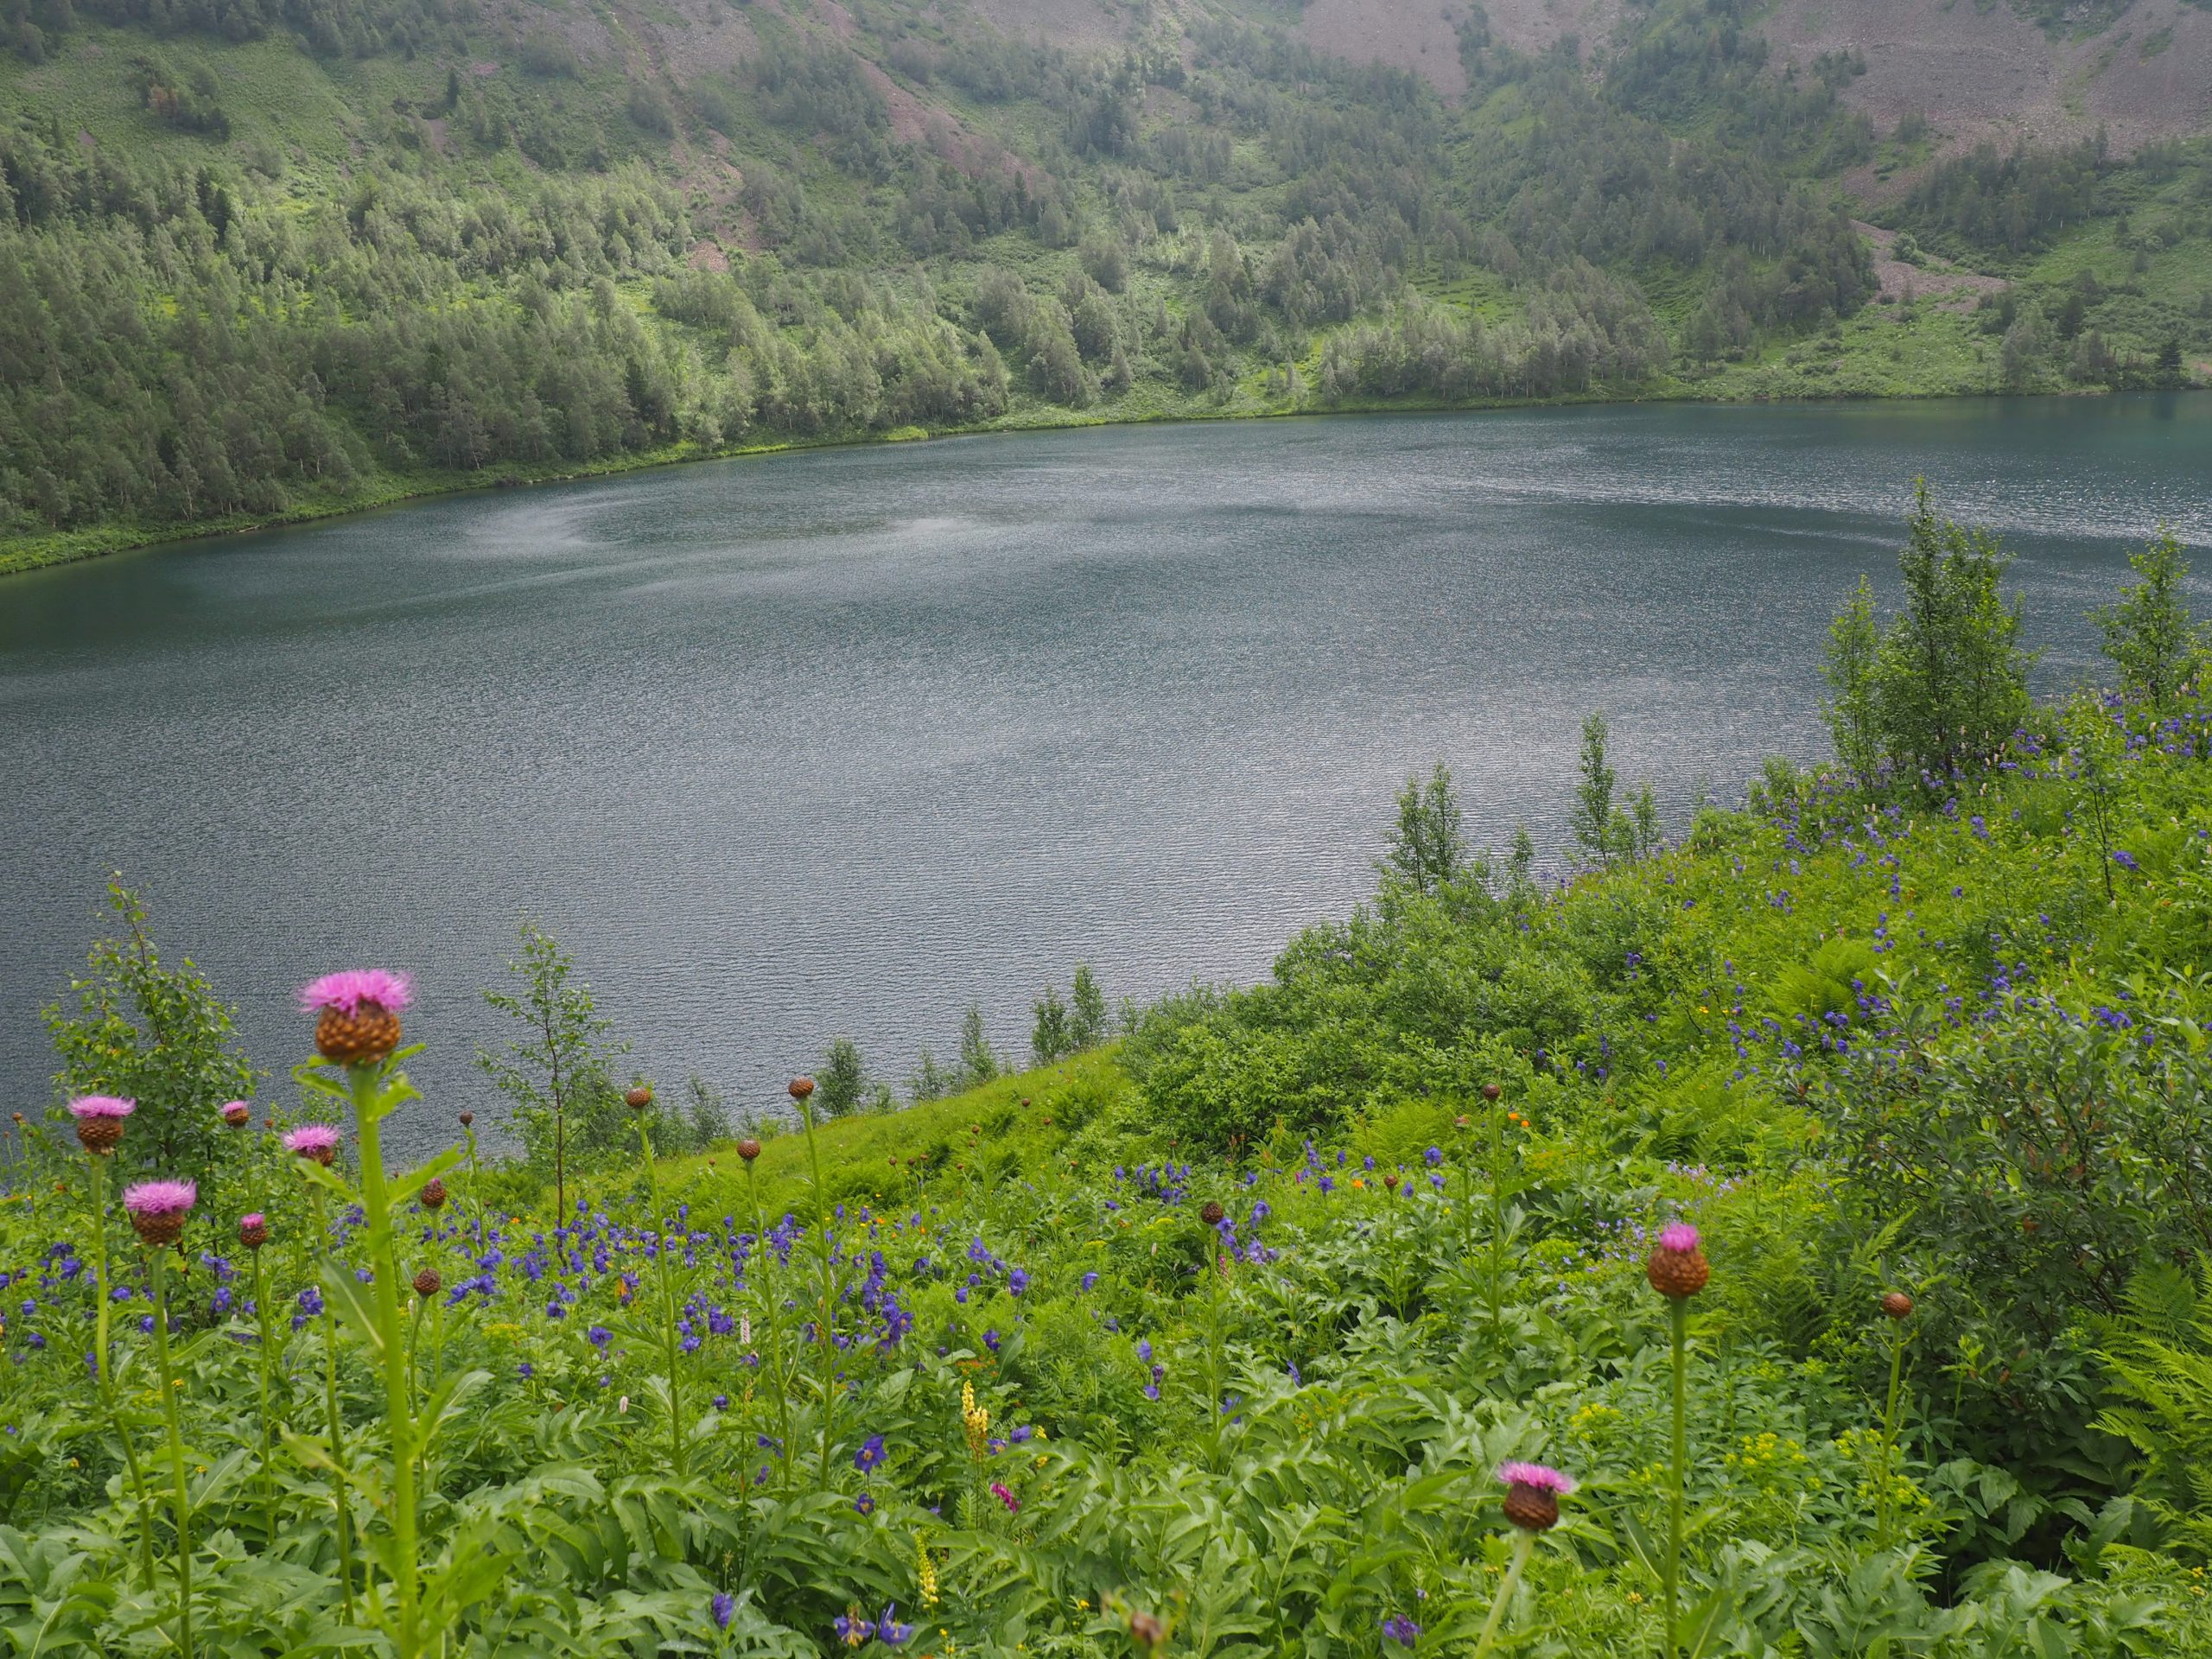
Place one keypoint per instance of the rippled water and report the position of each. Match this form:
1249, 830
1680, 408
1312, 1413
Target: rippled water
839, 742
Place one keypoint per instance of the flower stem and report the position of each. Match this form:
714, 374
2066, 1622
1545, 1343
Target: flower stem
1523, 1541
772, 1322
676, 1446
106, 1377
268, 1477
1883, 1522
823, 1329
1496, 1216
1678, 1317
169, 1387
1213, 1349
384, 1262
340, 1493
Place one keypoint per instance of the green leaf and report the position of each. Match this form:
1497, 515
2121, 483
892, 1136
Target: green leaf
404, 1188
353, 1302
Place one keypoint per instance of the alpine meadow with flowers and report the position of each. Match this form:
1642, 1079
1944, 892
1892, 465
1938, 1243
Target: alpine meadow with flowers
1788, 1240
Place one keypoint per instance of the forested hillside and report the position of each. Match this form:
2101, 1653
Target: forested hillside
265, 259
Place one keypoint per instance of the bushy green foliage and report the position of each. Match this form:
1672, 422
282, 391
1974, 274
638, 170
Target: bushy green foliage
1944, 687
2149, 634
1866, 1044
495, 259
158, 1035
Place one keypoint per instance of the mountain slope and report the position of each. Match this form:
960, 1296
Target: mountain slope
269, 258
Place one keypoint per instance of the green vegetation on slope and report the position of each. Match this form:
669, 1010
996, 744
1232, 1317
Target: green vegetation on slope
1216, 1343
260, 263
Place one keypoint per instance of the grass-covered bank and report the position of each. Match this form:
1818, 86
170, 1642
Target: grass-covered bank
1778, 382
1823, 1194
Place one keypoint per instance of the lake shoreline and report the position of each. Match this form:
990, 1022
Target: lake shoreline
23, 555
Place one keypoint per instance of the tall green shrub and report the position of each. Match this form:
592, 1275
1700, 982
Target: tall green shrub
558, 1072
160, 1035
2149, 633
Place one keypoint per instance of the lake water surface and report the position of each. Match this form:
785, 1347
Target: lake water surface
840, 741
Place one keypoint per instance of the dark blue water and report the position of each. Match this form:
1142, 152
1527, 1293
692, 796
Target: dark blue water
836, 743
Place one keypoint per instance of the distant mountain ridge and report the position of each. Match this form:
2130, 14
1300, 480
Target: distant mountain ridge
263, 259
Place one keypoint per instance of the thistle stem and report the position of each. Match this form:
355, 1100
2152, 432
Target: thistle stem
106, 1377
824, 1328
1678, 1317
268, 1477
1213, 1350
772, 1322
169, 1387
340, 1493
1884, 1499
1523, 1541
362, 1081
1496, 1216
676, 1448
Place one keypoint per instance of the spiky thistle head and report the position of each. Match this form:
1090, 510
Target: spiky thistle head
100, 1121
157, 1210
1532, 1494
316, 1143
1677, 1268
357, 1014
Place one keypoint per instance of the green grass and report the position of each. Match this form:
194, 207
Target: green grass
980, 1140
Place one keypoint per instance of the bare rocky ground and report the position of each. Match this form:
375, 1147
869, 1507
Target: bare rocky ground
1953, 287
1415, 34
1977, 69
1990, 73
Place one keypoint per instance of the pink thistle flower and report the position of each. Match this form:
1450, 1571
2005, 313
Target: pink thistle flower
1540, 1477
253, 1230
1677, 1268
318, 1143
157, 1209
236, 1113
100, 1121
349, 991
1532, 1494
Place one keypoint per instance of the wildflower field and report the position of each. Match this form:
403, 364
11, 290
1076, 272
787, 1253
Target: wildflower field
1786, 1242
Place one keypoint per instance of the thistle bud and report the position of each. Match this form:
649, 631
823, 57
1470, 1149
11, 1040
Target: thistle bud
801, 1088
1677, 1268
1897, 1305
356, 1014
1492, 1091
1532, 1494
640, 1098
1210, 1213
157, 1210
99, 1122
434, 1194
467, 1118
749, 1148
427, 1283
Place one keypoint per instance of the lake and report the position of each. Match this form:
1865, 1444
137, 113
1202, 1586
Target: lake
839, 742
